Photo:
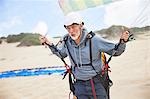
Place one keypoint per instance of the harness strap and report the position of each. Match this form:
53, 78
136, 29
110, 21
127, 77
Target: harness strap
83, 64
66, 65
93, 88
104, 81
116, 47
65, 40
71, 84
72, 89
90, 50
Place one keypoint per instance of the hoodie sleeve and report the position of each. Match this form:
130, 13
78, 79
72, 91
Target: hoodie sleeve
108, 47
59, 51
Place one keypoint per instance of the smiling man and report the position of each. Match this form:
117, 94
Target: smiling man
84, 50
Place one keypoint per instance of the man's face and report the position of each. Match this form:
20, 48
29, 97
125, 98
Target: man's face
74, 31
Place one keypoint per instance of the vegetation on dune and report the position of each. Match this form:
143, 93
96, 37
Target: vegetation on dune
25, 39
29, 40
16, 38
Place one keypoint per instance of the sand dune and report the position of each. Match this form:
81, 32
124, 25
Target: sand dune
130, 73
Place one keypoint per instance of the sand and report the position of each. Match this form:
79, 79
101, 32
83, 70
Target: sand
130, 72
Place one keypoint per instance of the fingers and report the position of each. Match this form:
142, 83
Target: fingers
42, 39
126, 33
125, 36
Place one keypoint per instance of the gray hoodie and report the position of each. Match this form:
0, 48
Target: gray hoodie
81, 54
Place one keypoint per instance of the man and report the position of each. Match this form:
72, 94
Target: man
84, 68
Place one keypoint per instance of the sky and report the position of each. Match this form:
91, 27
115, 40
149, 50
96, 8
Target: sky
45, 16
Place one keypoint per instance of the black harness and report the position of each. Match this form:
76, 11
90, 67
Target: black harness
88, 37
104, 79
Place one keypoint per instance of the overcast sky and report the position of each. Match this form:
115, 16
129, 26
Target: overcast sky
18, 16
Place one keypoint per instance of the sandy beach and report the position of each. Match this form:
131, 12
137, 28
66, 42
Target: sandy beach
130, 72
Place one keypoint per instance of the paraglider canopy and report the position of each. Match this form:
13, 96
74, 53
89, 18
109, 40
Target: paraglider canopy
68, 6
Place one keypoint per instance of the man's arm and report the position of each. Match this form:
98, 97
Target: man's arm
109, 47
60, 52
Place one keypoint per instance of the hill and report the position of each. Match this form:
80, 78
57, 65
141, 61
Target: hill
116, 30
25, 39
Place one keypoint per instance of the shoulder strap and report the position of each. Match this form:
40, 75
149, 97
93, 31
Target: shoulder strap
90, 36
65, 40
